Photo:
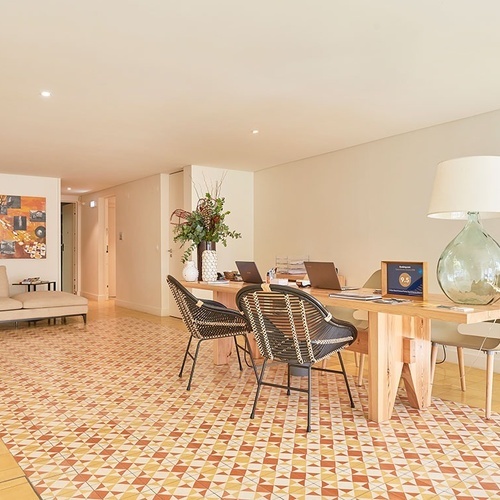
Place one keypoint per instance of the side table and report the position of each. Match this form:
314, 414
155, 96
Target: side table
51, 285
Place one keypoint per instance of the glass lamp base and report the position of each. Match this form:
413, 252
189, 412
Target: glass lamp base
468, 270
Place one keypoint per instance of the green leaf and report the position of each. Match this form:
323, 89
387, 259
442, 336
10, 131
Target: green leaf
206, 223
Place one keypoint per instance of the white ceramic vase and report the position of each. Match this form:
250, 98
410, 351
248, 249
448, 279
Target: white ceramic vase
209, 265
190, 273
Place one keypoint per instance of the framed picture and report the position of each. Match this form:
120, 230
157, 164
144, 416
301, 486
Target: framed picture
23, 231
404, 280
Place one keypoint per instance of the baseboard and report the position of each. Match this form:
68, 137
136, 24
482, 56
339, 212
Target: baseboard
93, 296
156, 311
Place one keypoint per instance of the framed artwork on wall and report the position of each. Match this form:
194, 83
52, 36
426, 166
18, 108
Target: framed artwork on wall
22, 227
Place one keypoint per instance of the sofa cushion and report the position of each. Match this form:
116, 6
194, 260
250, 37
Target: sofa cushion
32, 300
8, 304
4, 282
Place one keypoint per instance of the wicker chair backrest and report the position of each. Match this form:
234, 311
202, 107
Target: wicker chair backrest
205, 319
290, 325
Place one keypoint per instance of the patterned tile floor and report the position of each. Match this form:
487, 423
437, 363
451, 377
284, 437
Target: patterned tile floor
99, 412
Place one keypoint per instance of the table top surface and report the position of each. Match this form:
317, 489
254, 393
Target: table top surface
41, 282
425, 309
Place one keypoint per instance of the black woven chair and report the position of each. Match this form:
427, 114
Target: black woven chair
209, 320
292, 327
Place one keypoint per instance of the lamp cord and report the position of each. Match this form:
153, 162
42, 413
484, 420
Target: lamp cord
444, 356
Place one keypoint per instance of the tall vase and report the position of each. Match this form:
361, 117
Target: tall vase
202, 246
209, 265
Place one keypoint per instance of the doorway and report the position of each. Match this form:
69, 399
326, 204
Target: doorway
69, 247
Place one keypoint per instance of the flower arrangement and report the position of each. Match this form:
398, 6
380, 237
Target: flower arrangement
206, 223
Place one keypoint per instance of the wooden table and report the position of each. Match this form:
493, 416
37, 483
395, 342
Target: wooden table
398, 344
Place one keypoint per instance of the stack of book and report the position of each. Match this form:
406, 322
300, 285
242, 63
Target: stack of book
31, 281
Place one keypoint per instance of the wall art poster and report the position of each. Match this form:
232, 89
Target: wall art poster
22, 227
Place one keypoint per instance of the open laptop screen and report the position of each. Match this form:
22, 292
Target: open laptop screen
324, 275
249, 272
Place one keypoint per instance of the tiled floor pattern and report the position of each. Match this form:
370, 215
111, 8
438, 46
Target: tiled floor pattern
98, 411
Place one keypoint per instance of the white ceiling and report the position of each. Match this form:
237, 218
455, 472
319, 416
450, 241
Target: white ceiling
147, 86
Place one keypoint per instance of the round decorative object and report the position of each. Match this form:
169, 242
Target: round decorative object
190, 273
209, 265
468, 270
40, 232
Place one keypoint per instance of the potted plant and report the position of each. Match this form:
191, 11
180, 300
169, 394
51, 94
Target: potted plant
203, 227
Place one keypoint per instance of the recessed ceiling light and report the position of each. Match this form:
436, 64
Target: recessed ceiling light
69, 189
45, 93
255, 131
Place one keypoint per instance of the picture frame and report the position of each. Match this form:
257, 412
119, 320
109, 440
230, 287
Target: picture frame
23, 227
405, 279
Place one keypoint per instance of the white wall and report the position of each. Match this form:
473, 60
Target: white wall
142, 259
50, 267
141, 253
368, 203
238, 191
69, 198
91, 248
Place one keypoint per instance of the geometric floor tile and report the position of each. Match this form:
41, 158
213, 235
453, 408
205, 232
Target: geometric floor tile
98, 411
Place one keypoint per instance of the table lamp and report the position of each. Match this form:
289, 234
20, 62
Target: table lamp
468, 270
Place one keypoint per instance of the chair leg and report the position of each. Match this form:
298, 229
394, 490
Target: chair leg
308, 398
345, 378
249, 350
259, 385
194, 363
461, 367
490, 360
288, 380
186, 354
238, 353
361, 367
434, 354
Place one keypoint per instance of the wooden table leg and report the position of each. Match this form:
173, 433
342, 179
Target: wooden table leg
223, 347
385, 364
417, 373
390, 335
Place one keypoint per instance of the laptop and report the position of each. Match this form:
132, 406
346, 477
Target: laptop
249, 272
324, 275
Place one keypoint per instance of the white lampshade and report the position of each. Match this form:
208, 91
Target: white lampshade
463, 185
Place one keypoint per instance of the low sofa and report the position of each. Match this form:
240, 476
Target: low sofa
31, 306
